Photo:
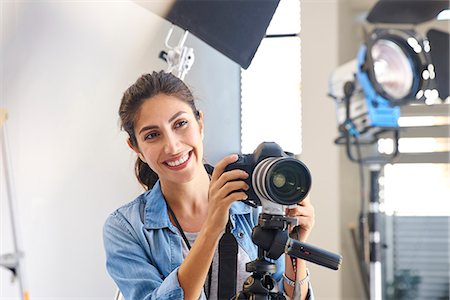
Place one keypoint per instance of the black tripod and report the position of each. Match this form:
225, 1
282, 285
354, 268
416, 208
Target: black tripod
271, 237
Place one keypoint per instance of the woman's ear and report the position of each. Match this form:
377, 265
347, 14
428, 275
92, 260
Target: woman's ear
200, 122
136, 150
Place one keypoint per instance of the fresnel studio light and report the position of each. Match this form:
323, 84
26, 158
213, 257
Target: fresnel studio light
404, 60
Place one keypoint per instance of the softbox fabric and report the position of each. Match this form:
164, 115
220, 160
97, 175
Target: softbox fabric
440, 51
233, 27
406, 11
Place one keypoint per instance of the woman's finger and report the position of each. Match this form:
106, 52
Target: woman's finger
232, 186
307, 211
219, 168
236, 196
305, 202
305, 215
230, 176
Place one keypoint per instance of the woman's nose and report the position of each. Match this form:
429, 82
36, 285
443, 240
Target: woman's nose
172, 144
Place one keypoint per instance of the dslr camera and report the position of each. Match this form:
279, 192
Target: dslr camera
276, 178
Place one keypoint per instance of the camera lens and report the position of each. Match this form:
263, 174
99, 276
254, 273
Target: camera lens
282, 180
279, 180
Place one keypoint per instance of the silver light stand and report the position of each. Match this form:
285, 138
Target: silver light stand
376, 277
353, 137
11, 261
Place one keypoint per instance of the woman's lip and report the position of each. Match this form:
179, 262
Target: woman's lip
177, 157
182, 165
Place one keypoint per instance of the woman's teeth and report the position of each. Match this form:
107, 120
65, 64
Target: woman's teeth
179, 161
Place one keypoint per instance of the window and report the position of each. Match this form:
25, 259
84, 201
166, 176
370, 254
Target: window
417, 189
420, 189
416, 199
270, 87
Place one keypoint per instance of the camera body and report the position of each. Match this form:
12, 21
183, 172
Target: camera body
275, 177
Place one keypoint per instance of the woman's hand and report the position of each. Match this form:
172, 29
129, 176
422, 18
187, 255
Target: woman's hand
304, 213
224, 189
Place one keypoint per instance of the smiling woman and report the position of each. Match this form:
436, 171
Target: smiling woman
168, 138
165, 243
135, 112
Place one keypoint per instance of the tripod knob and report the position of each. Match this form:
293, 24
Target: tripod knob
261, 266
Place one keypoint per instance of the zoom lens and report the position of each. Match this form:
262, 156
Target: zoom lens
283, 180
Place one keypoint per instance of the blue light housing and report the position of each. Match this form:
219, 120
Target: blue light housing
380, 110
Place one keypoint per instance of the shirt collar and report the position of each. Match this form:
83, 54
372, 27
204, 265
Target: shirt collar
155, 210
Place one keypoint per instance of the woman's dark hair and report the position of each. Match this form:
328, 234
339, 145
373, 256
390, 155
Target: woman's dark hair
146, 87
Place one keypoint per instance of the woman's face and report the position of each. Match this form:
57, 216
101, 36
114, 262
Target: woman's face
170, 138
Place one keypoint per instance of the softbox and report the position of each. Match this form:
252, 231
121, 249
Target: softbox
234, 28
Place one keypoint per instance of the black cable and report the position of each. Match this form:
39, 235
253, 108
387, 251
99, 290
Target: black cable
351, 137
363, 226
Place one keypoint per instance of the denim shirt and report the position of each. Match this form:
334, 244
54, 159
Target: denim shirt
143, 258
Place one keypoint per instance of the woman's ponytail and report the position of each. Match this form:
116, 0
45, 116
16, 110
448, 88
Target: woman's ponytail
146, 176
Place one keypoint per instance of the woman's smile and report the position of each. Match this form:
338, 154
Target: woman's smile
180, 162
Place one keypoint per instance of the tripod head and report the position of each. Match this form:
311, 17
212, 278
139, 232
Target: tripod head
272, 240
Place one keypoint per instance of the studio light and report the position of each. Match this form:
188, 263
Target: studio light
404, 59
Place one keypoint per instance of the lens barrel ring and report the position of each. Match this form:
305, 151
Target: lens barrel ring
295, 183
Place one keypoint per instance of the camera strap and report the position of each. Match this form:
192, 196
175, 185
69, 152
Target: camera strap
177, 224
228, 252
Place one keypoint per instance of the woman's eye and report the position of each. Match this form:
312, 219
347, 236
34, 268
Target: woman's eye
151, 136
181, 123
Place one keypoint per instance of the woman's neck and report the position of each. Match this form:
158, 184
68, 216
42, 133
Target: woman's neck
189, 201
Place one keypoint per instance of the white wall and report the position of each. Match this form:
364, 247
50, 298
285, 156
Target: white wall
350, 35
319, 58
351, 283
64, 67
331, 34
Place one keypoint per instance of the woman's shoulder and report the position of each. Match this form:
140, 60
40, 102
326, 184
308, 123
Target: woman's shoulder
123, 227
130, 210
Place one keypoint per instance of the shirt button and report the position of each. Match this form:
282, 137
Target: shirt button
240, 234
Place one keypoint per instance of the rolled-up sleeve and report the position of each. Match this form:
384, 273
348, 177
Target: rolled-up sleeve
131, 268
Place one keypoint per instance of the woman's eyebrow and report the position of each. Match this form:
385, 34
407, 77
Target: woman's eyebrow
145, 128
176, 115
